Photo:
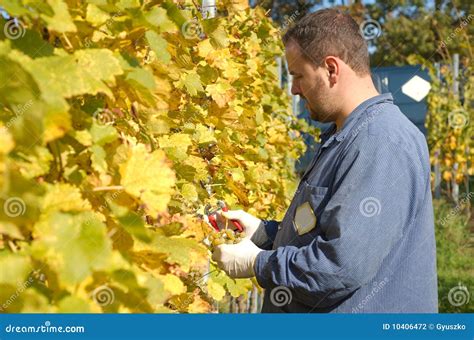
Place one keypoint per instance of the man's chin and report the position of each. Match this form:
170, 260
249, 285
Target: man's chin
313, 115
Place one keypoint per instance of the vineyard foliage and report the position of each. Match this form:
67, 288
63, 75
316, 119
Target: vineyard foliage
119, 121
449, 123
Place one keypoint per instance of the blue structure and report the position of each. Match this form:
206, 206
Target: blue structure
386, 79
391, 79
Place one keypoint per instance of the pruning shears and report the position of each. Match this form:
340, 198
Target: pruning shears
211, 215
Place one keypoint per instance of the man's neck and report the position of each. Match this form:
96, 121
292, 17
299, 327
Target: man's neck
353, 101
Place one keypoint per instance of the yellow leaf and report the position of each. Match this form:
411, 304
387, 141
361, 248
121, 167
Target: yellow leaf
215, 290
15, 268
239, 5
203, 134
148, 177
232, 72
199, 165
176, 145
64, 197
56, 124
238, 175
6, 141
173, 284
189, 192
11, 230
204, 48
238, 287
82, 136
199, 306
447, 175
191, 81
36, 163
222, 93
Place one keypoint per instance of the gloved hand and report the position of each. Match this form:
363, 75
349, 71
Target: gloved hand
253, 226
237, 260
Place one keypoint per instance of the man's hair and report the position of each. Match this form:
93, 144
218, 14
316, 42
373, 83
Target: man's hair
330, 32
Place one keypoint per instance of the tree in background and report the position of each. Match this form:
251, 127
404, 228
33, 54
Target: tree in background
406, 26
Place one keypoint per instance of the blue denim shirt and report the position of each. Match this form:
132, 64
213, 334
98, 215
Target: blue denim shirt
373, 247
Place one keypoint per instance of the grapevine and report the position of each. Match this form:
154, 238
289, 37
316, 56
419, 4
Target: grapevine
119, 122
449, 122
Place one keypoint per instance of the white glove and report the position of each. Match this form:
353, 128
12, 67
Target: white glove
237, 260
253, 226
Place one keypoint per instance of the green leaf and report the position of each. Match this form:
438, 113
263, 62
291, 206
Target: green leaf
60, 77
33, 45
98, 63
176, 145
74, 244
171, 229
14, 268
18, 86
130, 221
73, 304
158, 45
156, 294
95, 15
35, 163
236, 287
103, 134
125, 4
35, 301
183, 251
216, 32
189, 192
174, 13
157, 17
204, 135
143, 77
98, 159
61, 20
195, 167
215, 290
192, 82
14, 7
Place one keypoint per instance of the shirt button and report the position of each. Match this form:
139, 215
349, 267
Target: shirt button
279, 227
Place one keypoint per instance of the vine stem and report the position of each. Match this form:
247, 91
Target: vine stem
110, 188
202, 277
12, 246
68, 42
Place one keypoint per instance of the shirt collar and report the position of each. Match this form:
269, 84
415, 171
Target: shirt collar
330, 133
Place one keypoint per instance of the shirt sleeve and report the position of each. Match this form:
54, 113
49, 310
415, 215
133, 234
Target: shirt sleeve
376, 192
265, 234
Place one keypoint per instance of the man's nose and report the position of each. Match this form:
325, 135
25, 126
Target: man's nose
295, 90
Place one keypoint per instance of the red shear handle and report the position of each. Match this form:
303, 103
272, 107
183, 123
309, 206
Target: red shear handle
212, 220
234, 222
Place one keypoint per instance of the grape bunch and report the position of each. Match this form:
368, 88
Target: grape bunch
225, 236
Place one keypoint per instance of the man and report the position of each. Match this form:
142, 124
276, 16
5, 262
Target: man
358, 236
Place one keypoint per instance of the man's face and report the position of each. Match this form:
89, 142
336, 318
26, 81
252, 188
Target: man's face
311, 83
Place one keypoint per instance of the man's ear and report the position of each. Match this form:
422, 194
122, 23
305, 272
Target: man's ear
333, 68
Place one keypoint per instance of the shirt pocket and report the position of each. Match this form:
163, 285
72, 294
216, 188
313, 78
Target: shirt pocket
306, 216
